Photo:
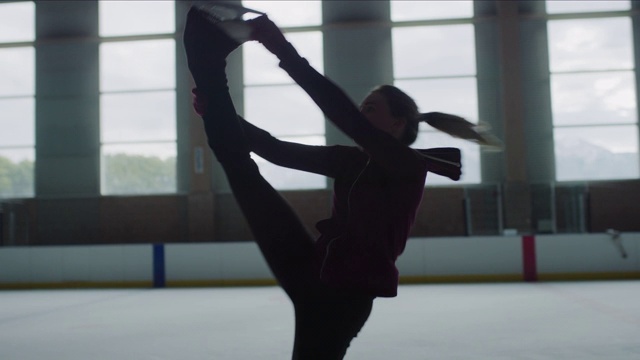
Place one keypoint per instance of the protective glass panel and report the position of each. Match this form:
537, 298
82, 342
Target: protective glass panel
261, 66
289, 13
138, 117
17, 71
16, 172
283, 110
119, 18
17, 21
565, 6
431, 51
290, 179
139, 168
137, 65
596, 153
17, 122
590, 44
593, 98
429, 10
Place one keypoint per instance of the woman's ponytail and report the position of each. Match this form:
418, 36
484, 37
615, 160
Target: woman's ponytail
459, 127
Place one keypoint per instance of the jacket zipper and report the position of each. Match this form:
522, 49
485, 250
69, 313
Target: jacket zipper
326, 255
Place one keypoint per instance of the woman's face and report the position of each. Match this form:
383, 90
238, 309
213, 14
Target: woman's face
376, 109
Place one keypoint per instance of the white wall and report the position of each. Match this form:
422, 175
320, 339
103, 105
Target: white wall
595, 253
461, 256
115, 264
575, 256
215, 263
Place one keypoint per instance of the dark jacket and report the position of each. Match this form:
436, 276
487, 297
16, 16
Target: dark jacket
377, 189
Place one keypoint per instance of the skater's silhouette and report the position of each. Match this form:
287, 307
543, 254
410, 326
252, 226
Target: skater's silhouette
333, 280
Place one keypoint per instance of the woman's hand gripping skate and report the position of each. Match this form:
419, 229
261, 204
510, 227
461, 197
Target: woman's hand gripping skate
268, 34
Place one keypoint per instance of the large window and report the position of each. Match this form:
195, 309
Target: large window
273, 101
593, 91
137, 97
17, 99
434, 62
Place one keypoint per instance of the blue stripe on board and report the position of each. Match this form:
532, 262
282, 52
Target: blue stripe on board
159, 279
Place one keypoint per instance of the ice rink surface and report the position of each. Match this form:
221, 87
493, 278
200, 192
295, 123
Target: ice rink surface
577, 320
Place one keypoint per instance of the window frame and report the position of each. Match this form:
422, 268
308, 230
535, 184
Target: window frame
173, 89
633, 70
26, 43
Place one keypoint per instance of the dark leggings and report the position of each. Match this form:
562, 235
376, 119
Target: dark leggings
327, 319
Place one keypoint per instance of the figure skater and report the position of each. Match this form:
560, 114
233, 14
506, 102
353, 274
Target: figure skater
332, 281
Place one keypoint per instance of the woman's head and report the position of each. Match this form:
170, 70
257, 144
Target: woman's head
390, 109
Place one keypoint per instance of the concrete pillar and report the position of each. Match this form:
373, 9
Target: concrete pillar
184, 112
357, 58
67, 99
635, 6
195, 160
489, 77
536, 94
67, 121
517, 200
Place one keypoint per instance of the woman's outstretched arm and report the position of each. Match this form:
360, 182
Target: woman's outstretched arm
335, 104
322, 160
318, 159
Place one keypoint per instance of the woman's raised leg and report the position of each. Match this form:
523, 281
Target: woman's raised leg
284, 241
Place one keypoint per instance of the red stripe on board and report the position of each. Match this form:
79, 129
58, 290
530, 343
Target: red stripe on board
529, 258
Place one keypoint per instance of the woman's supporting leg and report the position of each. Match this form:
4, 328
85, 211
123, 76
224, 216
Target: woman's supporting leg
284, 241
326, 322
326, 319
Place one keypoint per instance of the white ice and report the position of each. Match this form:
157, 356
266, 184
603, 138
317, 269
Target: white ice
586, 320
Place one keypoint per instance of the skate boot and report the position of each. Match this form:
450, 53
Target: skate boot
228, 18
209, 37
